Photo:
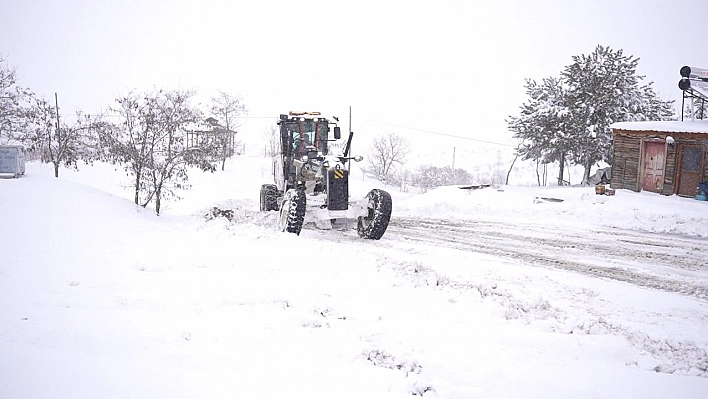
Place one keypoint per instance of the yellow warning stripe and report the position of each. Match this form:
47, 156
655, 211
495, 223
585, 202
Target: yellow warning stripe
338, 173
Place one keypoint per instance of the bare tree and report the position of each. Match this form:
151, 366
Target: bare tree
151, 144
385, 152
59, 143
226, 108
13, 104
270, 134
129, 143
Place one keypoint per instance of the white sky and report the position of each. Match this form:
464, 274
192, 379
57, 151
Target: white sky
456, 67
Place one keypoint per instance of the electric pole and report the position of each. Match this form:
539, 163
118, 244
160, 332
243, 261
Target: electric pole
454, 180
56, 102
56, 156
499, 165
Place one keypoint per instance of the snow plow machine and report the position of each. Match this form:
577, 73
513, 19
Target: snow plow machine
312, 186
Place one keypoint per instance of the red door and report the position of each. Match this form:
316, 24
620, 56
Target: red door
690, 169
654, 162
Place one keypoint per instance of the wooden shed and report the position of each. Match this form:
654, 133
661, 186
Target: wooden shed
667, 157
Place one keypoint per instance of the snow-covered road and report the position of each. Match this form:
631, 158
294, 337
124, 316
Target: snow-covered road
660, 261
565, 278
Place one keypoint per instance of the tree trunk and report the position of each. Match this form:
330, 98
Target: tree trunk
545, 174
538, 177
56, 169
561, 172
157, 202
586, 173
137, 188
512, 167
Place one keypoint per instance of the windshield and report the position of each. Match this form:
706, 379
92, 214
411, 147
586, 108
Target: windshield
308, 133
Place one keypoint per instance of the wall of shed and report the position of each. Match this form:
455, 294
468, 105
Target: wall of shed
627, 153
670, 171
625, 163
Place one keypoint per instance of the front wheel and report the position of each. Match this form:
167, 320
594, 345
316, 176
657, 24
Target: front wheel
292, 211
374, 224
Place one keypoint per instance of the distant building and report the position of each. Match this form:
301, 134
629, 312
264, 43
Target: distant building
667, 157
210, 132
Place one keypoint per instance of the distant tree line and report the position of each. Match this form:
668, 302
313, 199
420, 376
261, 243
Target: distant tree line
145, 134
387, 157
567, 119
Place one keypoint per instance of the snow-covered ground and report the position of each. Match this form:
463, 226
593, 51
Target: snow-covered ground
490, 293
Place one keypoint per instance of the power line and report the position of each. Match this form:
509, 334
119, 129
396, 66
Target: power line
441, 134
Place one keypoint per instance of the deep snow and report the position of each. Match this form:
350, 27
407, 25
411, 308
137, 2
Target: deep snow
100, 298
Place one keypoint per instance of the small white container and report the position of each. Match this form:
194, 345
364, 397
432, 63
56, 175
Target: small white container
12, 160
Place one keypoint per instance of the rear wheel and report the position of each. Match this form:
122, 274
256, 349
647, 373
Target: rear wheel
373, 226
292, 211
269, 197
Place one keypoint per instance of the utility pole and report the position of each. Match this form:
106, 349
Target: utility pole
56, 102
454, 180
56, 156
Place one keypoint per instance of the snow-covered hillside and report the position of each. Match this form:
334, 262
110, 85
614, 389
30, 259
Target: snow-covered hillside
484, 293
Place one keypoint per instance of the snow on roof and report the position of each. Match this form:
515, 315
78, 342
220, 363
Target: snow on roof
664, 126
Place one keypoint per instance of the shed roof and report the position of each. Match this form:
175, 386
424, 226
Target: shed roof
664, 126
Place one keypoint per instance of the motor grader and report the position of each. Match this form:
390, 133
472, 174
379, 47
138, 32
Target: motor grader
312, 186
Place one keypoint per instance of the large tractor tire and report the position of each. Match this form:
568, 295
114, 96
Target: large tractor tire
373, 226
292, 211
269, 197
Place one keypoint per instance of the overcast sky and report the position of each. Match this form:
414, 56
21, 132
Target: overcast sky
456, 67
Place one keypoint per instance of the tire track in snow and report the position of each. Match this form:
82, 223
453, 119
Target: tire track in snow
636, 256
650, 260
